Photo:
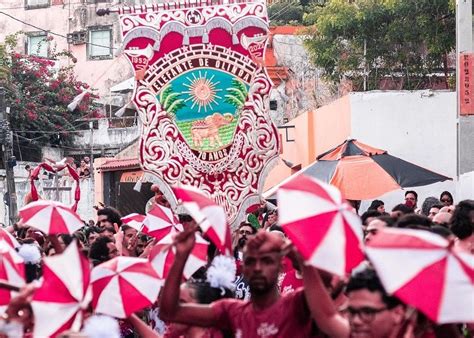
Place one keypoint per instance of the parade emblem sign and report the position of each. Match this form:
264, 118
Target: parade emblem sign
202, 94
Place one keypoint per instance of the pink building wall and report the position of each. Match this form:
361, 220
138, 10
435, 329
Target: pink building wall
64, 18
314, 133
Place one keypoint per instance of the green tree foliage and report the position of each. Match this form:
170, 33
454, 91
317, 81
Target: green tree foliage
38, 94
405, 40
237, 94
170, 100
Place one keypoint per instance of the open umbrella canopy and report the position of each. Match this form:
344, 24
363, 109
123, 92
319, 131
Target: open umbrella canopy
208, 215
426, 271
134, 220
8, 238
51, 217
163, 253
64, 294
363, 172
12, 271
160, 221
323, 227
124, 285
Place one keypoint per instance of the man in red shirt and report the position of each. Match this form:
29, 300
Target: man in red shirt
267, 314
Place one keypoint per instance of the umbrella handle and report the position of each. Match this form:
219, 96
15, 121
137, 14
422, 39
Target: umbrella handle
6, 285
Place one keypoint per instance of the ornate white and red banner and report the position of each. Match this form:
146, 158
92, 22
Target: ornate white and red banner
202, 95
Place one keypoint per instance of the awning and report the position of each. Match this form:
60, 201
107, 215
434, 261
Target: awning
114, 164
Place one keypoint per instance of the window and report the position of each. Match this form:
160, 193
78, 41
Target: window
100, 43
32, 4
37, 44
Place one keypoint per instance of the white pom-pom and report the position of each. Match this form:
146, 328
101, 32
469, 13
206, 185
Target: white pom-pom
100, 326
221, 273
30, 253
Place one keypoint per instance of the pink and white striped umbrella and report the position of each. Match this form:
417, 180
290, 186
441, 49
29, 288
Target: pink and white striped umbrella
134, 220
322, 226
163, 253
208, 215
123, 286
426, 271
8, 238
64, 294
12, 271
51, 217
160, 221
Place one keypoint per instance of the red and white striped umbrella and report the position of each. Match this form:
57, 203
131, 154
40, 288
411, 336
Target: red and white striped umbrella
123, 286
208, 215
134, 220
322, 226
59, 303
51, 217
163, 253
12, 271
8, 238
160, 221
426, 271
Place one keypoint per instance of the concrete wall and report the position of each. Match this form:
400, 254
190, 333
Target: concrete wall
43, 185
466, 142
106, 141
418, 126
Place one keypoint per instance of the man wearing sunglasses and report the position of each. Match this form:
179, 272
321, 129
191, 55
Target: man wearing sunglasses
242, 289
370, 312
243, 232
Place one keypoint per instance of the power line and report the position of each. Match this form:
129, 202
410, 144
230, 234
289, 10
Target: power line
23, 7
284, 10
53, 132
51, 32
44, 143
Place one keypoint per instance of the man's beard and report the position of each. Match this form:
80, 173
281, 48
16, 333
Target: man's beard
242, 241
263, 287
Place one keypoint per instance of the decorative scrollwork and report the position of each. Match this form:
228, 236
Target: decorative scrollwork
235, 180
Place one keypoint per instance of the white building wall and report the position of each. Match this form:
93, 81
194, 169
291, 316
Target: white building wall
417, 126
107, 138
22, 184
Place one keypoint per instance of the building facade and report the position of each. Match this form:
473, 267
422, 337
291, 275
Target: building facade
53, 26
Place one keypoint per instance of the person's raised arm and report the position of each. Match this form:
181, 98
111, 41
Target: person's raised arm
141, 328
321, 305
170, 307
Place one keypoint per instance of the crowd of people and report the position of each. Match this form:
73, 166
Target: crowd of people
270, 292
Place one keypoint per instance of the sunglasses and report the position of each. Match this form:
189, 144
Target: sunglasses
366, 314
445, 200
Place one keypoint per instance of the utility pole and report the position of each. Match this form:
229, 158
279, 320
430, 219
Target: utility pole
91, 163
9, 160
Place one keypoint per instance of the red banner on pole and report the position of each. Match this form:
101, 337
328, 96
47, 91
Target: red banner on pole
466, 90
